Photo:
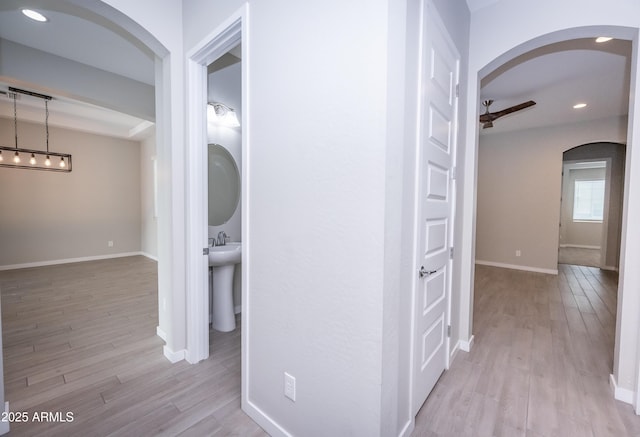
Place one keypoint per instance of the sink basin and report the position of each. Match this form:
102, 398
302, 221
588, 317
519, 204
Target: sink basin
231, 253
223, 260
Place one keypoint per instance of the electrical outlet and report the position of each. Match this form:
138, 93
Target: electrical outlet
518, 252
290, 386
110, 243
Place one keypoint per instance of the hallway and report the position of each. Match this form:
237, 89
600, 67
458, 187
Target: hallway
540, 364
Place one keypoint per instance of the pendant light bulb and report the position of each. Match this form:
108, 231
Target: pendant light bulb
32, 160
1, 157
16, 158
47, 161
62, 163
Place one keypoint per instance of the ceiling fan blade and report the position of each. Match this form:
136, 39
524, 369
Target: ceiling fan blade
495, 115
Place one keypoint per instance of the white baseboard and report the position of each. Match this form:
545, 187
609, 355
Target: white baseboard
148, 255
622, 394
69, 260
263, 420
466, 345
160, 333
580, 246
172, 356
407, 429
518, 267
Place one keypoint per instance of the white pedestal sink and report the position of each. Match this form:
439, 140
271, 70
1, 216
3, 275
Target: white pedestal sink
223, 260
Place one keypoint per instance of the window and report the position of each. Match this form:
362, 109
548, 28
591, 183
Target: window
588, 200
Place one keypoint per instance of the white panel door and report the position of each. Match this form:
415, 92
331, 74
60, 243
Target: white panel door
436, 195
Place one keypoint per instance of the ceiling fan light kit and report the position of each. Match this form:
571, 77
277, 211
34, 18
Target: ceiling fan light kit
488, 117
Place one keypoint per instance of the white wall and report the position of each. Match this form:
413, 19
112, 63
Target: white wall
316, 224
519, 189
148, 185
524, 26
49, 216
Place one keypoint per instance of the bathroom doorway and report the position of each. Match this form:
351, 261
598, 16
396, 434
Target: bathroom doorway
224, 159
216, 46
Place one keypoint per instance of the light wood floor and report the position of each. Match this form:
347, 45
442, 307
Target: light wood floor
81, 338
579, 256
540, 364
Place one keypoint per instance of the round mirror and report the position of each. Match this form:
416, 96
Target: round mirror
224, 185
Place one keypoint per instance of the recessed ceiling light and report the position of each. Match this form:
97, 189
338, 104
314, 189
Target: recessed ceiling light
36, 16
603, 39
579, 105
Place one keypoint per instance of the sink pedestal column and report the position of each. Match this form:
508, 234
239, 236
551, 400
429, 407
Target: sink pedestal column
224, 318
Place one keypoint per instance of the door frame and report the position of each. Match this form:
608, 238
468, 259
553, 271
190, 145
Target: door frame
416, 89
220, 41
607, 196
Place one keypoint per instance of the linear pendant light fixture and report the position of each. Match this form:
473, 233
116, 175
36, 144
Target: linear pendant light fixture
30, 159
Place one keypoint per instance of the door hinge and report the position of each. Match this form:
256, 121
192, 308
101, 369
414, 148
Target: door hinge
205, 251
448, 330
451, 253
453, 173
457, 90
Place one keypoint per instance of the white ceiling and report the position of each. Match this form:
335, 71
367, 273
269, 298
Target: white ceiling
474, 5
556, 77
81, 41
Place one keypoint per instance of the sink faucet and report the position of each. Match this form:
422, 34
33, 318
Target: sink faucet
222, 238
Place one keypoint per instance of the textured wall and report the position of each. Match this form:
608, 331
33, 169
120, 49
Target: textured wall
48, 216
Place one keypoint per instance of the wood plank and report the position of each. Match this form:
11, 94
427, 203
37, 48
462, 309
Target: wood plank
82, 338
547, 343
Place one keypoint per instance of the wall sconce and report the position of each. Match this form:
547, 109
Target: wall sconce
30, 159
222, 115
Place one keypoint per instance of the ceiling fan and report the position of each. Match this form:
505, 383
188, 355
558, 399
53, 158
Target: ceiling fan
488, 117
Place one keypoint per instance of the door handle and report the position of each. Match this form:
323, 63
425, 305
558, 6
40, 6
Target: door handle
424, 272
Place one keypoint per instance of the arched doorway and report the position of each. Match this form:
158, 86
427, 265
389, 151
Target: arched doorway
595, 241
485, 56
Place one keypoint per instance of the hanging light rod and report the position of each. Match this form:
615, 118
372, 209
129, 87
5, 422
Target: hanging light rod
31, 159
30, 93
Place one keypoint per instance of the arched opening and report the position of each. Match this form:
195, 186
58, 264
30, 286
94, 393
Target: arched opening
624, 363
168, 138
590, 225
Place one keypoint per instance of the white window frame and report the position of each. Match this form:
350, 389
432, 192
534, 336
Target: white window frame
587, 219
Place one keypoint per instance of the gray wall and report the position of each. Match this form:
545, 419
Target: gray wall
519, 187
48, 216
